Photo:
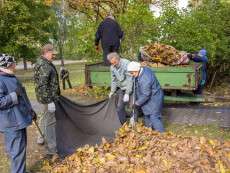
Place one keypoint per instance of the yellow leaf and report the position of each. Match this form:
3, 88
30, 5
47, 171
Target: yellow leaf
48, 2
212, 142
91, 150
202, 140
143, 148
221, 167
110, 156
140, 171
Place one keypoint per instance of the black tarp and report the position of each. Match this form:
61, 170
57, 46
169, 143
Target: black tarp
78, 125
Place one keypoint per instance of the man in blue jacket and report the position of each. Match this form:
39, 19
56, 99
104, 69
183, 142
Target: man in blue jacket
149, 95
201, 57
15, 114
109, 33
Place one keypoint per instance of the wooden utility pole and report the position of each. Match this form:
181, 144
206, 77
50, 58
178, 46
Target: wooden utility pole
64, 73
195, 3
62, 31
2, 3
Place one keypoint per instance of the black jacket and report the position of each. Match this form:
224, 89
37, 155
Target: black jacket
109, 32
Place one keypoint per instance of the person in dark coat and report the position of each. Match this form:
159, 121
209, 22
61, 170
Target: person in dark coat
109, 33
149, 95
16, 114
64, 75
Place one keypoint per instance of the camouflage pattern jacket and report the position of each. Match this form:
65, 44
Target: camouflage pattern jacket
46, 81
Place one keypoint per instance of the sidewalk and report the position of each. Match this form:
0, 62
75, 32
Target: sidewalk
20, 65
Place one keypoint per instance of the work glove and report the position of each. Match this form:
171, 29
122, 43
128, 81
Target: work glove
111, 94
202, 82
34, 115
126, 98
132, 121
51, 107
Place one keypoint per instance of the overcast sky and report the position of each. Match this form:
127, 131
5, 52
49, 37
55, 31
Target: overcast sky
183, 3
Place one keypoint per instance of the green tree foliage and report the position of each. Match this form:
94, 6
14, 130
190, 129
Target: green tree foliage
139, 26
80, 38
137, 22
98, 9
206, 26
24, 26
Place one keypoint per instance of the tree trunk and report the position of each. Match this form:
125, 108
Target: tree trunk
25, 64
60, 45
2, 3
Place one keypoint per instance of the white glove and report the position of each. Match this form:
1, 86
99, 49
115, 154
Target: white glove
126, 98
111, 94
132, 121
51, 107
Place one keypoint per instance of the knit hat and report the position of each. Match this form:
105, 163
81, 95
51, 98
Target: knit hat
202, 52
6, 60
133, 66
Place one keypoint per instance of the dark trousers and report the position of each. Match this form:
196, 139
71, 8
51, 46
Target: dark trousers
16, 142
64, 81
121, 106
199, 89
107, 50
154, 121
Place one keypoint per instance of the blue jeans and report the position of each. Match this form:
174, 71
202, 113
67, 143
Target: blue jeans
154, 122
16, 142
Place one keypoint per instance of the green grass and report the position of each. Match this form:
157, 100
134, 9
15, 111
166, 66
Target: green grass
76, 77
212, 131
208, 131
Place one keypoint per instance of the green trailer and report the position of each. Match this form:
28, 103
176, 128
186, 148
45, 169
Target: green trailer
178, 82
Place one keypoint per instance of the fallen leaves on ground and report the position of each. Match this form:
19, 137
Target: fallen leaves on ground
96, 92
142, 150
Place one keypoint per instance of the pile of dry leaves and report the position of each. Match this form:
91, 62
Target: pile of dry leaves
142, 150
164, 54
82, 90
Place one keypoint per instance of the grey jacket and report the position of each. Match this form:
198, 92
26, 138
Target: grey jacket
120, 77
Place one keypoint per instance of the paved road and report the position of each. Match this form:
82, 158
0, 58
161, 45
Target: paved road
197, 115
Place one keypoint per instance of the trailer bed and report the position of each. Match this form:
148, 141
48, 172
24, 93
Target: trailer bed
170, 77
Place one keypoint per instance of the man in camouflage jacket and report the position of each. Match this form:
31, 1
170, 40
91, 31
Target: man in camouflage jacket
47, 91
